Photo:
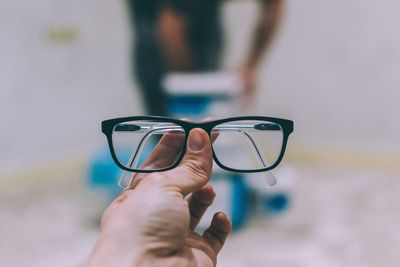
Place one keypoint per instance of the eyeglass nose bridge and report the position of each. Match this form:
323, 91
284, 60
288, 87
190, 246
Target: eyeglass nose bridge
189, 126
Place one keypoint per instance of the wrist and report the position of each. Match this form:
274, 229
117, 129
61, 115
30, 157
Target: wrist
250, 65
110, 254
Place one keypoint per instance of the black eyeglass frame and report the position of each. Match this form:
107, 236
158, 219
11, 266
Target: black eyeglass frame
107, 127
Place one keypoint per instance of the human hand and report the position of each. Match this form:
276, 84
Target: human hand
247, 76
152, 224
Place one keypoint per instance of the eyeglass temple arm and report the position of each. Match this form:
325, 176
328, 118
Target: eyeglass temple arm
133, 158
124, 180
260, 126
271, 179
139, 149
260, 158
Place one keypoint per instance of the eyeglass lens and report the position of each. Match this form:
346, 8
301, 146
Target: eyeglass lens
149, 145
248, 144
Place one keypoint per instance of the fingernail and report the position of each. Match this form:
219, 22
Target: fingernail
224, 217
196, 141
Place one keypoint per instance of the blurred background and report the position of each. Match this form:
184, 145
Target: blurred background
332, 67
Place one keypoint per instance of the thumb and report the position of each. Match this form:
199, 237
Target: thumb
195, 169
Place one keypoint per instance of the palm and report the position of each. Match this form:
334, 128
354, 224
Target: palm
195, 252
179, 218
201, 251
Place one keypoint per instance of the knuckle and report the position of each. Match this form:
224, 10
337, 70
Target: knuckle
155, 178
197, 167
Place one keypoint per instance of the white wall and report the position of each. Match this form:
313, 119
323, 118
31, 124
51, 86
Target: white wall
334, 69
54, 93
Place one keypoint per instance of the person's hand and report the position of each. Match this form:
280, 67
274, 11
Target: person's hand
152, 224
247, 76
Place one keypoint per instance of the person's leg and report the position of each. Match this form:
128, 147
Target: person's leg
149, 71
147, 64
205, 35
160, 47
148, 68
172, 29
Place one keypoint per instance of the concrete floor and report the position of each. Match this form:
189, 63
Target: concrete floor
339, 217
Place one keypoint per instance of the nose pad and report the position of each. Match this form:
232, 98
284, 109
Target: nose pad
125, 180
271, 179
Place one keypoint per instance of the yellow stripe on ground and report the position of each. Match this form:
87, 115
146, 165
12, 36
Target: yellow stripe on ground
333, 157
41, 174
368, 159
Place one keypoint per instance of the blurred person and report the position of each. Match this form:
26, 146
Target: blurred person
186, 36
152, 223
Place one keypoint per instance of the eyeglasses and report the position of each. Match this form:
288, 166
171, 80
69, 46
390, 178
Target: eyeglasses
240, 144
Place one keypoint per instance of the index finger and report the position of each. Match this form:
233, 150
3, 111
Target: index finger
165, 154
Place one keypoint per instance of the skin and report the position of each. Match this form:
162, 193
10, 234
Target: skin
152, 223
271, 15
172, 28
